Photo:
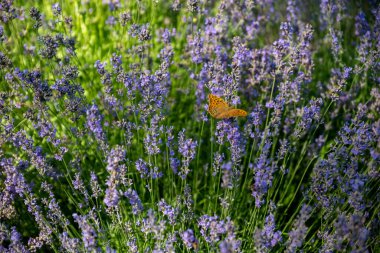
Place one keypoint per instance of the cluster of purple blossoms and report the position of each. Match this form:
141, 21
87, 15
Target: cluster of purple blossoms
212, 229
153, 89
106, 79
35, 14
186, 147
8, 11
14, 185
170, 212
173, 161
228, 130
308, 115
3, 37
299, 232
348, 234
189, 239
340, 172
338, 82
94, 122
134, 200
267, 237
54, 213
79, 185
147, 170
89, 234
15, 238
152, 138
263, 170
116, 171
95, 187
69, 244
34, 80
152, 226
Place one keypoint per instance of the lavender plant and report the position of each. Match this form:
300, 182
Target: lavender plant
106, 144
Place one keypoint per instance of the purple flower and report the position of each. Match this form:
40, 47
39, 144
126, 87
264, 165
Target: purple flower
268, 237
42, 91
56, 9
15, 182
211, 228
298, 234
142, 167
112, 4
263, 170
361, 24
111, 198
3, 37
167, 35
195, 45
229, 245
8, 11
168, 211
193, 5
116, 171
78, 185
54, 213
151, 225
144, 33
189, 239
16, 242
50, 47
152, 137
214, 230
353, 231
111, 21
227, 178
88, 232
45, 229
94, 122
116, 62
336, 38
174, 162
262, 64
35, 14
338, 82
134, 200
46, 129
95, 187
128, 129
229, 130
116, 156
176, 5
147, 170
242, 55
125, 17
308, 115
257, 116
186, 147
153, 89
337, 178
217, 164
133, 30
69, 244
100, 67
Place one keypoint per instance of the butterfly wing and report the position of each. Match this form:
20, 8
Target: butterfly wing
216, 105
232, 113
219, 109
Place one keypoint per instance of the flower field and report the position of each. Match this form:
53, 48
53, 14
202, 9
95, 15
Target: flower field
189, 126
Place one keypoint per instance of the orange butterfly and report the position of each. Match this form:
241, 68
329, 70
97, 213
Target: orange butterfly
219, 109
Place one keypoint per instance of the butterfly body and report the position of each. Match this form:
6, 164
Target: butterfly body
219, 109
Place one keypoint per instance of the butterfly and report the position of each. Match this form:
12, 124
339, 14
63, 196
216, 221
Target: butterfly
219, 109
